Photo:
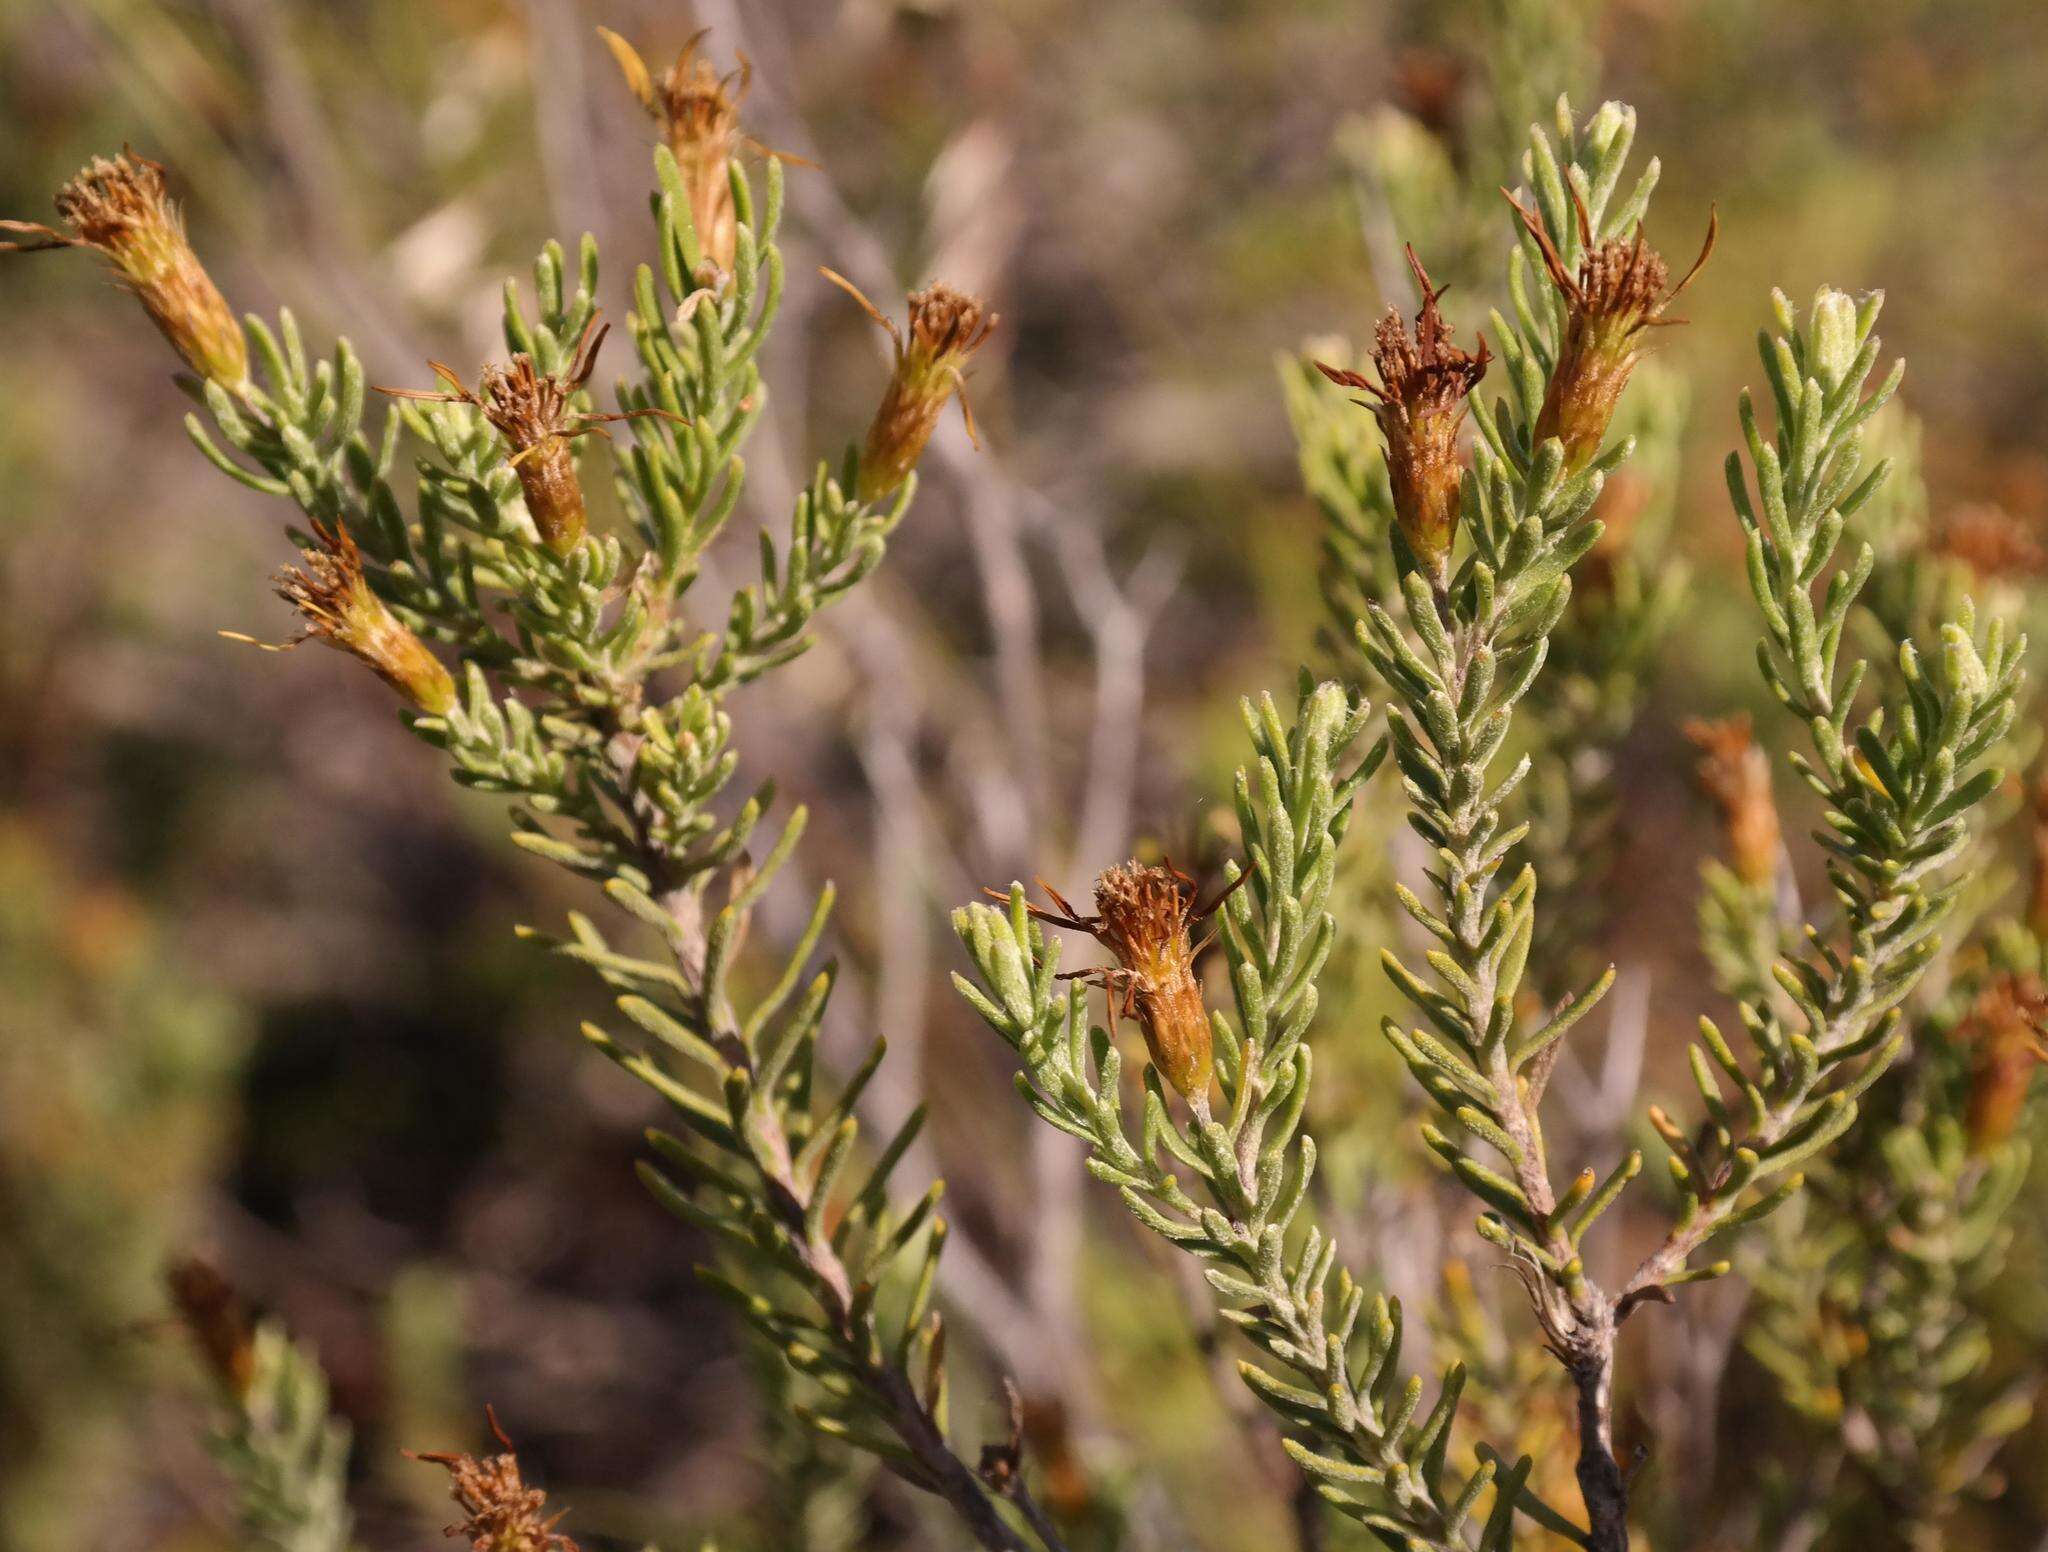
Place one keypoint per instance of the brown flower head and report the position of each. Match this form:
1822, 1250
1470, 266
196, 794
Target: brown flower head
217, 1319
122, 208
501, 1513
334, 595
1991, 542
1621, 289
536, 413
699, 113
2004, 1028
1420, 401
1143, 916
946, 328
1736, 775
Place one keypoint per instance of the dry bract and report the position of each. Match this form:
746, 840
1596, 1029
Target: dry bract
121, 208
218, 1321
1143, 916
334, 596
1736, 774
946, 328
699, 113
501, 1513
1622, 287
2005, 1030
1420, 401
536, 413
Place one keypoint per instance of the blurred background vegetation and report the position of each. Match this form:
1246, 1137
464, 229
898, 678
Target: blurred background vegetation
257, 993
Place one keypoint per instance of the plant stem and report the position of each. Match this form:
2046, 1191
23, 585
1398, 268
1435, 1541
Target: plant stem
1601, 1483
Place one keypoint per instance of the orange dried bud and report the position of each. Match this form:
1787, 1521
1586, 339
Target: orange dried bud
1736, 775
536, 413
946, 328
2005, 1027
218, 1322
500, 1512
699, 113
122, 208
1621, 289
1143, 917
335, 598
1420, 401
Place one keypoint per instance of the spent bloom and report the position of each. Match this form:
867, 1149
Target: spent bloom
1621, 289
1143, 917
500, 1512
2004, 1028
1420, 401
946, 328
699, 113
121, 208
1736, 774
332, 593
536, 413
217, 1320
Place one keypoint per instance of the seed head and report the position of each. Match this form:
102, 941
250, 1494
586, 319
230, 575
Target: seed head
946, 328
1621, 289
699, 113
1420, 401
1736, 775
121, 208
501, 1513
2004, 1028
334, 596
1143, 917
535, 412
218, 1321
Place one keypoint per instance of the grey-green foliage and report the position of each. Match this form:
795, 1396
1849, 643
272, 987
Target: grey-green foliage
1458, 668
1229, 1187
1604, 647
592, 699
1596, 683
1869, 1315
1868, 1305
1873, 1304
285, 1452
1898, 785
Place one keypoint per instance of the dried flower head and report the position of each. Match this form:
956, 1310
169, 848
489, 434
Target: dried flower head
501, 1513
1420, 401
217, 1319
946, 328
1736, 774
2005, 1029
699, 113
1143, 917
1991, 542
1621, 289
122, 208
334, 595
536, 413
